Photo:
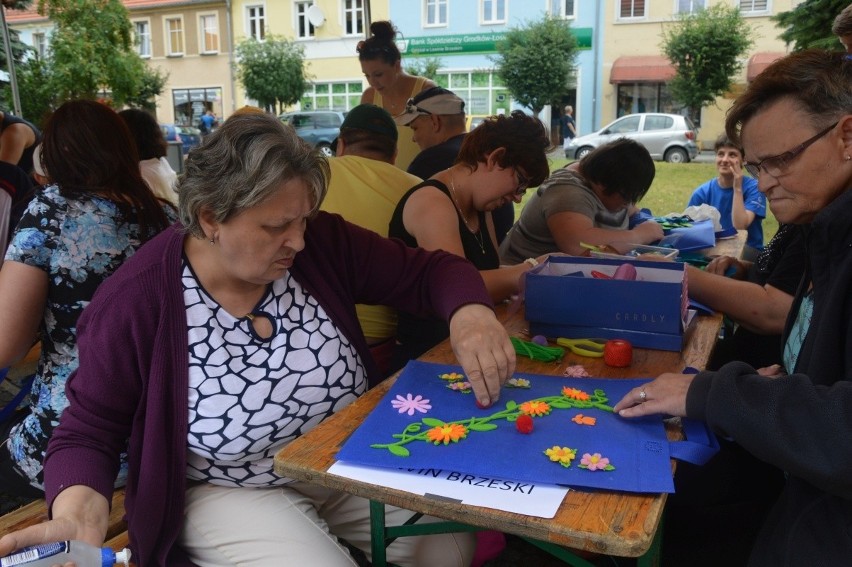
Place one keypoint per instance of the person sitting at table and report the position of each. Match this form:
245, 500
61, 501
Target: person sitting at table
741, 206
795, 125
452, 211
589, 201
75, 233
364, 188
240, 334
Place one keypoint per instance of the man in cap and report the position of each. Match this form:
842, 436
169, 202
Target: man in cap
364, 188
437, 120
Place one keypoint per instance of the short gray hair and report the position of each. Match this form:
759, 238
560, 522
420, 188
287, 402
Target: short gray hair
241, 164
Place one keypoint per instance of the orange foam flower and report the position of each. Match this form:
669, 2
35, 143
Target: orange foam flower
581, 419
451, 376
535, 407
446, 433
574, 393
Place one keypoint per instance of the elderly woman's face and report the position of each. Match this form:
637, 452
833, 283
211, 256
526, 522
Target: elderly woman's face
806, 182
258, 245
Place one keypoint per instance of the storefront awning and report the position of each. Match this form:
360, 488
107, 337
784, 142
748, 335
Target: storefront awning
760, 61
641, 69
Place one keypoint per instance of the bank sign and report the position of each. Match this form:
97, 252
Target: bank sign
471, 43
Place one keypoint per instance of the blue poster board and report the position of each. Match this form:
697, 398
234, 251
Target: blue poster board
424, 404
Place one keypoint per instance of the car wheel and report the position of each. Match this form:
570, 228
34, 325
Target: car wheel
581, 153
677, 155
325, 150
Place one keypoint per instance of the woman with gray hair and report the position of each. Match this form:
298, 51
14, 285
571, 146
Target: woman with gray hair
241, 335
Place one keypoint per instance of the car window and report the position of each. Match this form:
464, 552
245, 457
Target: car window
327, 120
301, 120
625, 125
658, 122
689, 123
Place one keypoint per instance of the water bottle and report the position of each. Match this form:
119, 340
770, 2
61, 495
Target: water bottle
60, 552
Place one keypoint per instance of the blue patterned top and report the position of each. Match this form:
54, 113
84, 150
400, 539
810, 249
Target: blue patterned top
78, 242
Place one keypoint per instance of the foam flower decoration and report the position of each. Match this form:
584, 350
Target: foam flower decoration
446, 433
561, 455
576, 371
535, 407
595, 462
410, 404
463, 387
581, 419
575, 394
451, 376
517, 383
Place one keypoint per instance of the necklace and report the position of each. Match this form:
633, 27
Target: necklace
477, 235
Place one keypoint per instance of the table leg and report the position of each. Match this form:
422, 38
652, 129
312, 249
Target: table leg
377, 534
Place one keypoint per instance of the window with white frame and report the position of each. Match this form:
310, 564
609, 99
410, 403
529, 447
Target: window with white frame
353, 17
174, 36
332, 96
754, 6
435, 12
631, 9
493, 11
562, 9
208, 25
304, 28
142, 37
256, 22
40, 44
689, 6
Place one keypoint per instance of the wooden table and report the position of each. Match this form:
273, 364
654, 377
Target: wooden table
611, 523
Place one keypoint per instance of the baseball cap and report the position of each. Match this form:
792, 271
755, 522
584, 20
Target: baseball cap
371, 118
436, 100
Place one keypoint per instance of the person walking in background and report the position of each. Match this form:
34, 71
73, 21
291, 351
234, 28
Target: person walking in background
390, 86
152, 148
741, 206
75, 233
568, 126
208, 122
364, 188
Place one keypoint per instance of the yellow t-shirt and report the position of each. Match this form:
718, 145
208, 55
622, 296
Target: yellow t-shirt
406, 148
365, 192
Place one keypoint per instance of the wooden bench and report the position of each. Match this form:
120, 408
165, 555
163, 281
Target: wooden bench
36, 512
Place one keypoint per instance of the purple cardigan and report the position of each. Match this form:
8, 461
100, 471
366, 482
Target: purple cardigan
130, 391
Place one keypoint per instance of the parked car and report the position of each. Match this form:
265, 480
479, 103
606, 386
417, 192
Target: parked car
474, 120
188, 136
319, 128
669, 137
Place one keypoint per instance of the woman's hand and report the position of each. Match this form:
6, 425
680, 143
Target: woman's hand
79, 513
647, 232
666, 395
721, 264
483, 349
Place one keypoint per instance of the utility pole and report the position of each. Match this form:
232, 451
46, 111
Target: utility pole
13, 81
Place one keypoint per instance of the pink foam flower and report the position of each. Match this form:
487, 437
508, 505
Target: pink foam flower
410, 404
595, 462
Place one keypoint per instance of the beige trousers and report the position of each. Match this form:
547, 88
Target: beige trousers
299, 525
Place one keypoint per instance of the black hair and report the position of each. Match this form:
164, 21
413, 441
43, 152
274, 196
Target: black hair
623, 167
380, 44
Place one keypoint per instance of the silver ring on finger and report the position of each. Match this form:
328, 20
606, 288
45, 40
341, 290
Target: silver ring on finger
642, 395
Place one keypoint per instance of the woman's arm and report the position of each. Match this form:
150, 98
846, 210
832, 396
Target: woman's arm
23, 294
760, 309
78, 512
740, 216
569, 229
14, 140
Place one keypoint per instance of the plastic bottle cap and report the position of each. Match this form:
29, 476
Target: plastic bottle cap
123, 557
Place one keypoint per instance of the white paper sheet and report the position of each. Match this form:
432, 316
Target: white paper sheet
541, 500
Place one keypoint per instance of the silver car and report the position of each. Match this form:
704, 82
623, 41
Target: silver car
669, 137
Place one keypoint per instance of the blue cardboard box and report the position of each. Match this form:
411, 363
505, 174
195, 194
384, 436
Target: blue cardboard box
563, 299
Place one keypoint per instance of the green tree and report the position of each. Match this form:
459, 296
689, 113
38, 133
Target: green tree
37, 96
151, 83
99, 33
809, 24
272, 71
427, 67
706, 48
536, 61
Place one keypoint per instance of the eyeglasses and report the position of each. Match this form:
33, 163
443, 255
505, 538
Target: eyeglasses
412, 108
776, 165
523, 182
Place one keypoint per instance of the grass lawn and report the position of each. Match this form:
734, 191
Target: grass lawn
672, 187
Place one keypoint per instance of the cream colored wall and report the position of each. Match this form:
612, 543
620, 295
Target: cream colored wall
643, 37
329, 55
191, 70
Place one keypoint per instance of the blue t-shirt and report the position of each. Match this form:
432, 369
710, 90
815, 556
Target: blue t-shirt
711, 193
